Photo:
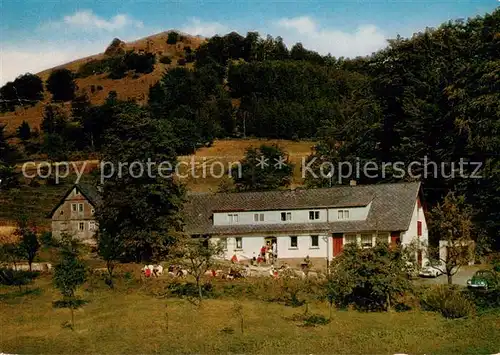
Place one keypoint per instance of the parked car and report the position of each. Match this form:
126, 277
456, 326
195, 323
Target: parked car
429, 271
483, 279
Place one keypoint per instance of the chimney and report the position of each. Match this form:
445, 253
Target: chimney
352, 183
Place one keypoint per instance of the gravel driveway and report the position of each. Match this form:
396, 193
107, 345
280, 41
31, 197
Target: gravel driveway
460, 278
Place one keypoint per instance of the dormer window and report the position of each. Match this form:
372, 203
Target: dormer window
313, 215
286, 216
343, 214
258, 217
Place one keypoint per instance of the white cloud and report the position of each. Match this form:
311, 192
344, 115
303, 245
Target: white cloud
88, 21
196, 27
363, 41
17, 61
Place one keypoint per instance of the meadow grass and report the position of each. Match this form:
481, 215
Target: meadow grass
130, 320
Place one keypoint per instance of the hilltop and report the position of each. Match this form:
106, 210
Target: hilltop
98, 86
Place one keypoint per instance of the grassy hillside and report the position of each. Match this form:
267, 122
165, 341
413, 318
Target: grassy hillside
128, 87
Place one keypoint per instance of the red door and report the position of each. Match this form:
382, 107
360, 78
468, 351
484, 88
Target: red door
395, 239
338, 243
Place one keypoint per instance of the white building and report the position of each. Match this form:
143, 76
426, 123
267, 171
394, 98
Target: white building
310, 222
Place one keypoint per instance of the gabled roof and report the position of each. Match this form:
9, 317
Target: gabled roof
88, 191
391, 210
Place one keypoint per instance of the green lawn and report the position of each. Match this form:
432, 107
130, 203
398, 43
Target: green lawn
131, 321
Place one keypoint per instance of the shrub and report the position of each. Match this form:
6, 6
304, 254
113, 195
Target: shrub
371, 279
315, 319
48, 240
18, 278
165, 59
181, 61
448, 301
484, 299
189, 289
173, 37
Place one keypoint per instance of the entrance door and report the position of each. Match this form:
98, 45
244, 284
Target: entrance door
338, 243
395, 239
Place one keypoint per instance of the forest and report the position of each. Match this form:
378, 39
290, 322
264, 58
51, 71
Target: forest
435, 95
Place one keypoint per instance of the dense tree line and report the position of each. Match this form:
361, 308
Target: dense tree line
436, 95
26, 89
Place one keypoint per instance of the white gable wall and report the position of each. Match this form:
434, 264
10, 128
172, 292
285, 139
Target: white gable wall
411, 235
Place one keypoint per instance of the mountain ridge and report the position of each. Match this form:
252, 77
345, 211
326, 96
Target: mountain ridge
128, 87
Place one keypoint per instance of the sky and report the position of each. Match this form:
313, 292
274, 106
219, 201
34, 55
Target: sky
37, 35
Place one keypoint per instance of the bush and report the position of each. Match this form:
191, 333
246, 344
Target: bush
315, 319
173, 37
181, 61
484, 299
47, 240
189, 289
165, 59
448, 301
19, 278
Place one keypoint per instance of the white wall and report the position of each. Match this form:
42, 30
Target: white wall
304, 247
251, 245
270, 217
298, 216
411, 235
355, 213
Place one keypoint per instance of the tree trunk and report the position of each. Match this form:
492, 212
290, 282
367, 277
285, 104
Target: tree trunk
72, 317
330, 310
110, 268
200, 295
450, 278
388, 301
30, 262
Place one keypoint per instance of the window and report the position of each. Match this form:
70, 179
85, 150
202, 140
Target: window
343, 214
92, 211
313, 215
286, 216
80, 207
350, 238
81, 226
314, 241
62, 212
258, 217
293, 241
366, 240
239, 243
74, 207
233, 218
